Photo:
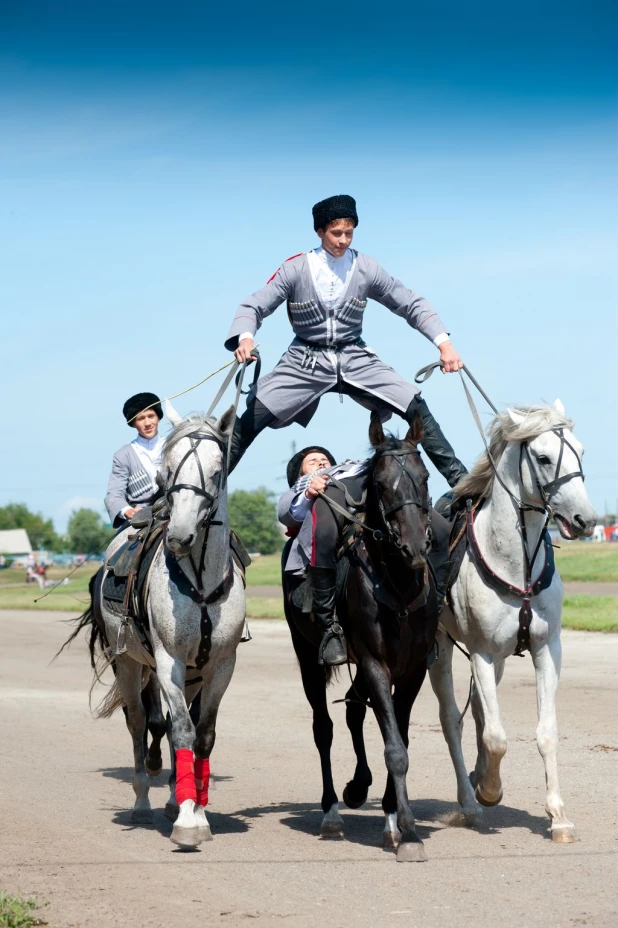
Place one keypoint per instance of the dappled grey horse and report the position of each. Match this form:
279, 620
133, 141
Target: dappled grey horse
506, 599
196, 613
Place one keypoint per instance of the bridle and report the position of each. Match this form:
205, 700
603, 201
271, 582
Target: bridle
195, 439
391, 536
547, 490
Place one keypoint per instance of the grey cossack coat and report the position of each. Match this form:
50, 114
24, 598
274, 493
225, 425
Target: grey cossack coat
328, 347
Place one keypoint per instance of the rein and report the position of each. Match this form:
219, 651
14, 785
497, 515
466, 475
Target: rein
196, 590
546, 491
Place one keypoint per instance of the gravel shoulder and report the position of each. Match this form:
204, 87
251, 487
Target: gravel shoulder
66, 796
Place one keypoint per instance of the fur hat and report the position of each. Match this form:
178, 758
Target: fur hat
295, 464
139, 403
333, 208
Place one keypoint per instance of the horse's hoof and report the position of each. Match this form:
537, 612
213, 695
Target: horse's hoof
151, 771
331, 829
205, 833
411, 852
564, 834
142, 817
186, 838
484, 801
171, 811
353, 802
390, 840
473, 817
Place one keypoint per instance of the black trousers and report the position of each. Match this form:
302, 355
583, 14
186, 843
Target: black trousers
257, 417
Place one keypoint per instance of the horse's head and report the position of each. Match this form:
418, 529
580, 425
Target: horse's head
552, 476
399, 485
193, 468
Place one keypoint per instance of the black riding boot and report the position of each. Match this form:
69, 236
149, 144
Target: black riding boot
247, 427
333, 649
438, 449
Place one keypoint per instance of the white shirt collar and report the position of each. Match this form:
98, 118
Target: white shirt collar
149, 444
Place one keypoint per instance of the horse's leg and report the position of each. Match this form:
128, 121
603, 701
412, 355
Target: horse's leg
171, 673
151, 697
547, 662
217, 675
356, 790
395, 754
441, 677
314, 684
404, 696
192, 698
491, 737
129, 682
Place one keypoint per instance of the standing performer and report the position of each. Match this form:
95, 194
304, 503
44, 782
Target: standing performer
133, 480
327, 291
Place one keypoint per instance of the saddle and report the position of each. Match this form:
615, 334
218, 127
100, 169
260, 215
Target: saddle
125, 586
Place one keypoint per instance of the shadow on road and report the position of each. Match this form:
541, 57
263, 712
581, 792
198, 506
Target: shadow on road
365, 826
125, 775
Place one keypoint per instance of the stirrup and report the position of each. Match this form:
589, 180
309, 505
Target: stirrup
334, 633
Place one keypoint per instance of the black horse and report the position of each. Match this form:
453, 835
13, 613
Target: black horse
389, 610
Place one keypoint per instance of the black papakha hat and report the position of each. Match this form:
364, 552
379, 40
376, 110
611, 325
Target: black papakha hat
295, 464
139, 403
339, 207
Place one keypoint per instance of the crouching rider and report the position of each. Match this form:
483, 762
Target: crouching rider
133, 480
316, 528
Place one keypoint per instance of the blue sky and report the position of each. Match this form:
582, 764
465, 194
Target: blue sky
158, 163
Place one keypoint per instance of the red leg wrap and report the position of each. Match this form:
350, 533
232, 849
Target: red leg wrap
185, 776
202, 779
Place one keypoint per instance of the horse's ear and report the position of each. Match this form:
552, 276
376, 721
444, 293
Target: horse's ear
559, 407
516, 417
376, 432
416, 430
226, 422
174, 417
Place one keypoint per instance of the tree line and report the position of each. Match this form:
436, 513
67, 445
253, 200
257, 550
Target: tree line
252, 513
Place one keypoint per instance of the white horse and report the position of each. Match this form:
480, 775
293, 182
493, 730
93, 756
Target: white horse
537, 474
196, 611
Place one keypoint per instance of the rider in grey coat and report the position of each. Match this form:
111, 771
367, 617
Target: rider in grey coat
133, 480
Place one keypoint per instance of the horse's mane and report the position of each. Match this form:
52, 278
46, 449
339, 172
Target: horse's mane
537, 419
194, 422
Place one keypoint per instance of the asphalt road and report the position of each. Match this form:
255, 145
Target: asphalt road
66, 795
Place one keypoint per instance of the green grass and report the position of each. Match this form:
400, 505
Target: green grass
591, 613
259, 607
265, 571
18, 912
70, 597
587, 562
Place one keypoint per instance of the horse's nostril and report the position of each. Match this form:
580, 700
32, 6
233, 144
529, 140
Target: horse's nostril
187, 542
580, 521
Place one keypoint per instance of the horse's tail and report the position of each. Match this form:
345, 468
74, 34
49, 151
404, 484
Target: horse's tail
97, 641
98, 646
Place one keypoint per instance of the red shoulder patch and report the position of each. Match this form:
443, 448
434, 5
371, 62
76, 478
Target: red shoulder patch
291, 258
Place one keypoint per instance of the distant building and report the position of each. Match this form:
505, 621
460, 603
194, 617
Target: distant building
15, 542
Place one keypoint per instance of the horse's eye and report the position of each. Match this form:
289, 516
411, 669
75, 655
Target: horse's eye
543, 459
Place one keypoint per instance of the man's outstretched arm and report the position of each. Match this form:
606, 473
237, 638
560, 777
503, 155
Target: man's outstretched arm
417, 312
253, 311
